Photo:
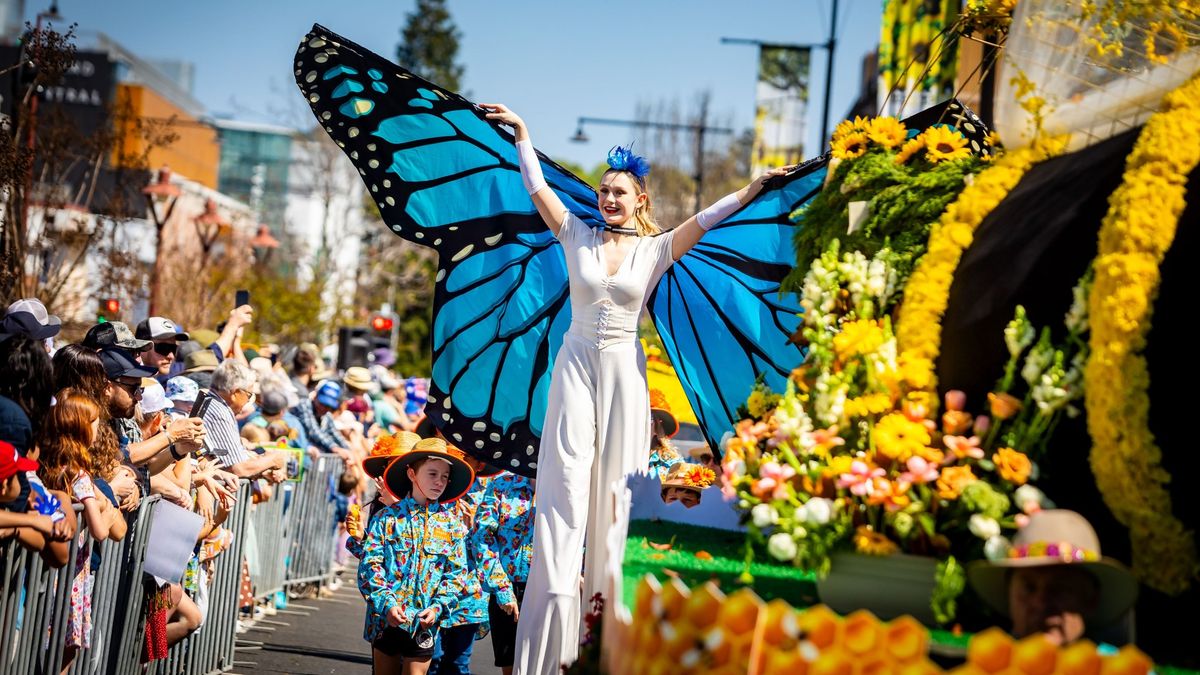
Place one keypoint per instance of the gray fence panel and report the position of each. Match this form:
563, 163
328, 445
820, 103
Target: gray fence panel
295, 538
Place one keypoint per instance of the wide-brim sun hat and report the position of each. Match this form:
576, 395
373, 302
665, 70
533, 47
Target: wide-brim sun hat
395, 477
689, 476
358, 378
1058, 537
387, 448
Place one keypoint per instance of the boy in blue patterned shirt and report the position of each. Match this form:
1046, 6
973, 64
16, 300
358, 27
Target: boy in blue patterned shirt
505, 521
414, 557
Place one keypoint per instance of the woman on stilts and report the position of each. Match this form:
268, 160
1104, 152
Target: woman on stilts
598, 418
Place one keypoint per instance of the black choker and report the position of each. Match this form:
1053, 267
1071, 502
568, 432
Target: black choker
620, 230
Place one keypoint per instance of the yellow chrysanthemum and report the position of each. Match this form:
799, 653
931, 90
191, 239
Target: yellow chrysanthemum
887, 132
911, 147
898, 438
870, 542
943, 144
756, 404
858, 337
871, 404
851, 145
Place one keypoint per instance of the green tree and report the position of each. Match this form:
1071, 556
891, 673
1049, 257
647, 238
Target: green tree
429, 44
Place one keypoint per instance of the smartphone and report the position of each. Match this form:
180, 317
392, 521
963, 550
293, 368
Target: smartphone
242, 298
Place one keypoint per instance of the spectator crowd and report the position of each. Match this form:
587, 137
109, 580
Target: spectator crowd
90, 429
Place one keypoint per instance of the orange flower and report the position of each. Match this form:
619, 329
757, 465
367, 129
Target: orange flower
384, 445
956, 421
1013, 466
952, 481
893, 496
931, 455
1003, 406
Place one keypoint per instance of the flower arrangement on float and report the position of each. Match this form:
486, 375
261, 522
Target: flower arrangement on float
855, 455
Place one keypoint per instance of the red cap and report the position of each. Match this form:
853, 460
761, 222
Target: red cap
11, 462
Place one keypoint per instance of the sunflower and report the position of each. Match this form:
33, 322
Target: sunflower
898, 438
887, 132
851, 145
943, 144
911, 147
871, 542
846, 127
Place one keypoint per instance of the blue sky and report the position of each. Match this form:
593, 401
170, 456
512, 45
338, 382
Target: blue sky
551, 61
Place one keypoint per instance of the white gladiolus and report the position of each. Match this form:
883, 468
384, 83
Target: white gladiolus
818, 511
983, 527
996, 548
781, 547
764, 515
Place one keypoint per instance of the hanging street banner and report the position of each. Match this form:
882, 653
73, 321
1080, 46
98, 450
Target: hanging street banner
781, 107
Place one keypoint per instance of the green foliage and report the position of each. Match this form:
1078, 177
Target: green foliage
429, 44
904, 200
950, 581
284, 312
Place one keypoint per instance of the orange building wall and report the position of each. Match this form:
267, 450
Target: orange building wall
195, 153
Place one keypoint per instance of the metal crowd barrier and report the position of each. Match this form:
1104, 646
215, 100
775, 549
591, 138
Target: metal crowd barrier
311, 527
295, 536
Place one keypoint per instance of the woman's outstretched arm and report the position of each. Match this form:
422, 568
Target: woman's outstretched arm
687, 234
549, 206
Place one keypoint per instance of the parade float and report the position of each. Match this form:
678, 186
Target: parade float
994, 324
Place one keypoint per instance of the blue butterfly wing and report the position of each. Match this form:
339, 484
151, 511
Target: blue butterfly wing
719, 311
446, 178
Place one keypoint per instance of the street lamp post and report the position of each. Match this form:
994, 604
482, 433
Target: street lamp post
699, 129
830, 45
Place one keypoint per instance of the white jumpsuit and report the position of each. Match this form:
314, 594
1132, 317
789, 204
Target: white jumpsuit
597, 430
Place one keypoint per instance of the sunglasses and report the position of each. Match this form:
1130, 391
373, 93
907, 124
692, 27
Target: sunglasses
165, 348
132, 388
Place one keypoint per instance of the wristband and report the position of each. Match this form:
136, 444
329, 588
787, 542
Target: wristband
177, 456
714, 214
531, 168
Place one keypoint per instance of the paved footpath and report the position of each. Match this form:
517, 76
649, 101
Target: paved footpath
322, 637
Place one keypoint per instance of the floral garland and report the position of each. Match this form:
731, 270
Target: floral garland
919, 330
1136, 232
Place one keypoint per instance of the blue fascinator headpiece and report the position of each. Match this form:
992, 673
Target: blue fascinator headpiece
623, 159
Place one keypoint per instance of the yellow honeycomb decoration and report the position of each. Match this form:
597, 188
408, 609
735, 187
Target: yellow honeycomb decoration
674, 629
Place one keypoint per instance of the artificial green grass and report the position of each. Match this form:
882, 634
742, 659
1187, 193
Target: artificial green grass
726, 548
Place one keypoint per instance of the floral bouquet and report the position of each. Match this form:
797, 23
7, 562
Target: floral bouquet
854, 456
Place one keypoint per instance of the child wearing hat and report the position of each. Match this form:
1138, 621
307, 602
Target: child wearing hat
505, 522
483, 577
414, 556
663, 427
387, 447
685, 482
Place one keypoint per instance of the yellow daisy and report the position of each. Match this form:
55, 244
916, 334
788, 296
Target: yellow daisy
898, 438
851, 145
944, 145
887, 132
858, 337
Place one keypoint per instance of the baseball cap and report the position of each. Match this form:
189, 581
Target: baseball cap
180, 388
11, 462
114, 334
272, 402
154, 399
118, 363
28, 317
329, 394
159, 328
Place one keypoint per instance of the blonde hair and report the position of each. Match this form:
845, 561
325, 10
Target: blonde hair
643, 216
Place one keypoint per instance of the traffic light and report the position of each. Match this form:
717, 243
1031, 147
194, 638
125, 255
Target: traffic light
110, 310
381, 331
